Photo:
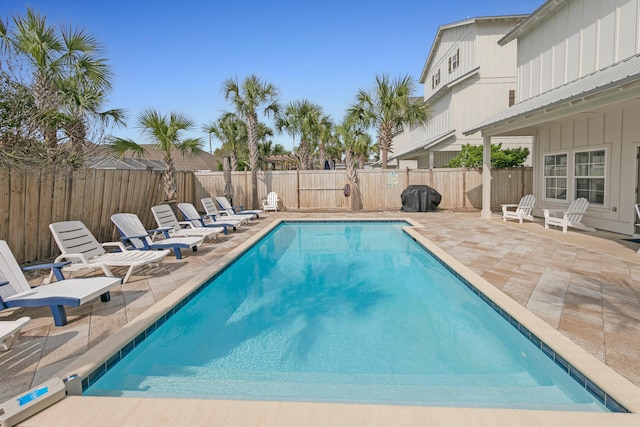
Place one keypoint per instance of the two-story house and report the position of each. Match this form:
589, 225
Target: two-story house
578, 95
467, 78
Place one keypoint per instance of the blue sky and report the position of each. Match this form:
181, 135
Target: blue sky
174, 55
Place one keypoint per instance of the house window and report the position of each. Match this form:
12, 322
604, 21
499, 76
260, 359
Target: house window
435, 79
454, 60
512, 97
589, 175
555, 176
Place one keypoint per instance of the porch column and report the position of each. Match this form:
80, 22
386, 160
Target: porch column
486, 178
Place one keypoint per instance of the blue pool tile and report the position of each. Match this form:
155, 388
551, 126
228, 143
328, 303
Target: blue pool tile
140, 338
596, 391
96, 374
127, 348
577, 375
560, 361
614, 406
110, 363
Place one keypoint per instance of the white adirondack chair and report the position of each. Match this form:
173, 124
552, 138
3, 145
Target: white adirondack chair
571, 217
271, 202
522, 209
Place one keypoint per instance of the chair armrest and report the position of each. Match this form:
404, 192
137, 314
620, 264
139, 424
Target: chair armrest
72, 257
548, 212
55, 267
143, 238
163, 230
120, 245
51, 265
510, 205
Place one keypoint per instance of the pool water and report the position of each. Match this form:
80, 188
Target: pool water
343, 312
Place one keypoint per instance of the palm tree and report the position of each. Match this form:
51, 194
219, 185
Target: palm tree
165, 132
349, 133
387, 108
231, 130
70, 77
248, 99
325, 136
302, 118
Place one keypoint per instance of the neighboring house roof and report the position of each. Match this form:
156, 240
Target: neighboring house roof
532, 20
442, 28
155, 159
614, 80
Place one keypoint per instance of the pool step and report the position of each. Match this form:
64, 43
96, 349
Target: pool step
521, 378
519, 396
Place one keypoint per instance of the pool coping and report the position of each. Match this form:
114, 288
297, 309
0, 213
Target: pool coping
618, 387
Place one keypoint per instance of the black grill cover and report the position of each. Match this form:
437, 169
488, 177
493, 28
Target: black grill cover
420, 198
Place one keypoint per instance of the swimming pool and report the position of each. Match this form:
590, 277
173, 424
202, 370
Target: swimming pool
395, 339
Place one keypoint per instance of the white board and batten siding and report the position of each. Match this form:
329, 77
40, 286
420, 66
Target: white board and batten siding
617, 131
474, 90
580, 37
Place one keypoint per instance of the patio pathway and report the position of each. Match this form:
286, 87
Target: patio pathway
586, 285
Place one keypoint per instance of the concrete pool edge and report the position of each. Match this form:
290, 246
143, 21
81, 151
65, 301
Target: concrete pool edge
81, 364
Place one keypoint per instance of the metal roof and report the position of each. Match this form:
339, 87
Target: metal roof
610, 79
424, 145
536, 16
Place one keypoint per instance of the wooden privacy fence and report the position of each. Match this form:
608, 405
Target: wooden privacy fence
29, 202
381, 189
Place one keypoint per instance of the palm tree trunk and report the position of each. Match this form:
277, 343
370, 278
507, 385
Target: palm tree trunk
322, 155
234, 161
170, 185
385, 137
352, 177
252, 130
304, 154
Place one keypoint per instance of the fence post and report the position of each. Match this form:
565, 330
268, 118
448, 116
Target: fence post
298, 188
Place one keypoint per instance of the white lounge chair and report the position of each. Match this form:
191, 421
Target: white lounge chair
168, 222
79, 246
211, 209
571, 217
190, 214
10, 330
237, 210
271, 202
522, 209
16, 292
133, 232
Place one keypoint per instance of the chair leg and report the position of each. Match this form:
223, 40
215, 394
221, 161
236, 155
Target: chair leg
128, 275
59, 315
9, 341
106, 297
